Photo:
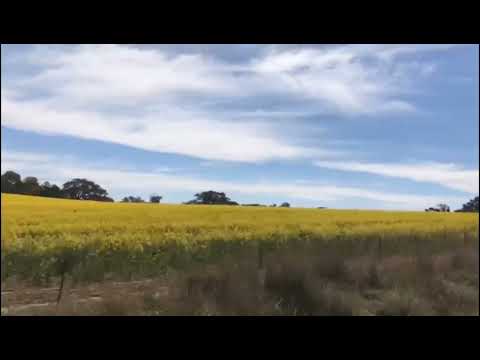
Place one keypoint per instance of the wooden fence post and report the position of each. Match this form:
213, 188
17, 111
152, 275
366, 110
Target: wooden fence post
261, 268
260, 256
380, 252
417, 245
60, 290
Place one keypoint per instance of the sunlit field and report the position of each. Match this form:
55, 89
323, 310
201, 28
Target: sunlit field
43, 239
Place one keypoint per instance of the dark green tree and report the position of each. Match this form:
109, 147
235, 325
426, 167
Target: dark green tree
30, 186
49, 190
212, 198
83, 189
11, 181
443, 207
155, 199
471, 206
132, 199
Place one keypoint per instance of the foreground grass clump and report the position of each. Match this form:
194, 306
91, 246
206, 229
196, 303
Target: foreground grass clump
294, 283
43, 239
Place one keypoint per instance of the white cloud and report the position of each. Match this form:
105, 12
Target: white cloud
448, 175
340, 76
353, 79
170, 131
332, 78
58, 171
390, 51
153, 99
115, 73
8, 157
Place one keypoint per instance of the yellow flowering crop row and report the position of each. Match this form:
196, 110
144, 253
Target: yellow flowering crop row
37, 232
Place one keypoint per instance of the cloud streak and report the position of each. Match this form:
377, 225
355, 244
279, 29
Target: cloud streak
449, 175
54, 169
168, 131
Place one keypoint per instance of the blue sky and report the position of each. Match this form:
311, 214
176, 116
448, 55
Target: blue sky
341, 126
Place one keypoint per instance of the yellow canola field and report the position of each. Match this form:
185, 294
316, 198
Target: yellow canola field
35, 230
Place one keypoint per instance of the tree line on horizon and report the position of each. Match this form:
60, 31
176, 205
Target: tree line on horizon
75, 189
471, 206
83, 189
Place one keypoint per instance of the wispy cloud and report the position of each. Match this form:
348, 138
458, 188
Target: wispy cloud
449, 175
154, 99
57, 170
169, 131
352, 79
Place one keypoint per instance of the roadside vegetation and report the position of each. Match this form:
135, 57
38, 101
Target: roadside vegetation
222, 259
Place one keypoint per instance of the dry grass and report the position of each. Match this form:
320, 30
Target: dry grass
295, 284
